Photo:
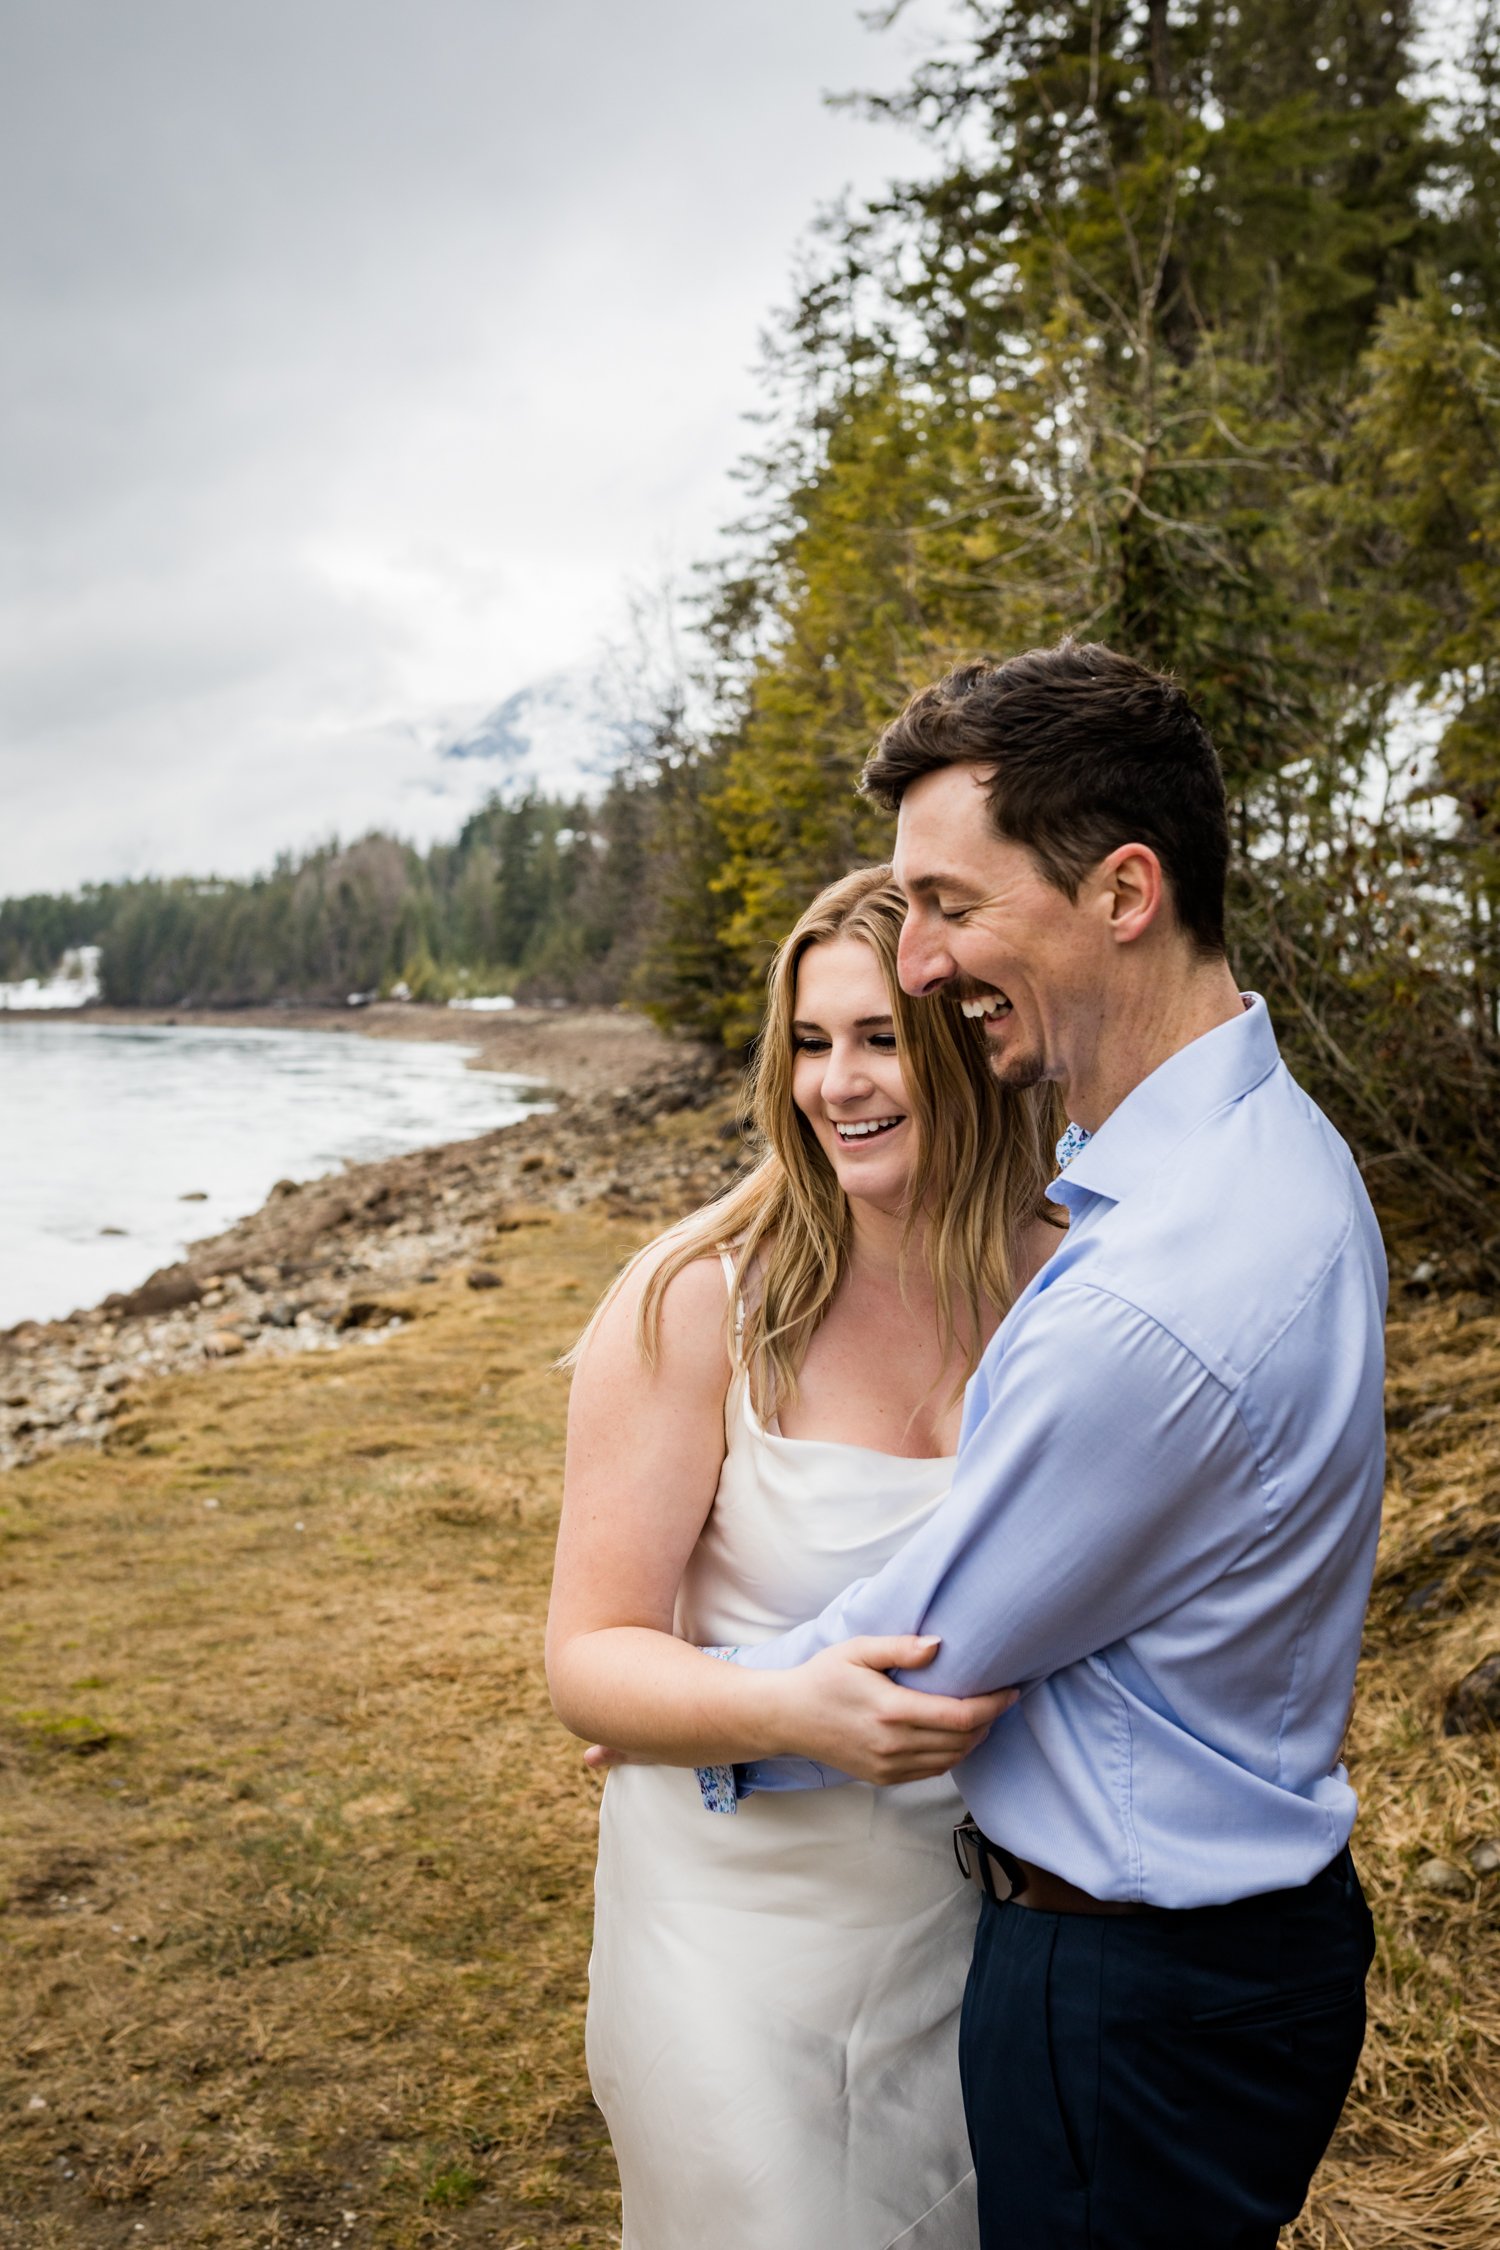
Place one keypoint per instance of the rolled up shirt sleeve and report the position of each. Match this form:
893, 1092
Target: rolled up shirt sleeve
1104, 1476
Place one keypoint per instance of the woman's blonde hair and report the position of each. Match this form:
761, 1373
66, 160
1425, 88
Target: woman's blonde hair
984, 1154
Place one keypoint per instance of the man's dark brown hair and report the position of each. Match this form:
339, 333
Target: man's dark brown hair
1086, 750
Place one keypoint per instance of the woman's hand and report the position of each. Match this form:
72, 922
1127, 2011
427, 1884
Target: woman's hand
841, 1710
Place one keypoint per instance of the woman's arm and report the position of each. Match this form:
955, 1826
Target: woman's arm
645, 1446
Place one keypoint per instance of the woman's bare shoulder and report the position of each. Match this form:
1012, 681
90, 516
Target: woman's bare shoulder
693, 1340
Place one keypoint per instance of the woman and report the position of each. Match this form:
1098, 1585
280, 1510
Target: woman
765, 1408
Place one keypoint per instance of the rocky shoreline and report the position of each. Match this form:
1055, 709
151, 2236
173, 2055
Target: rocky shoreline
643, 1126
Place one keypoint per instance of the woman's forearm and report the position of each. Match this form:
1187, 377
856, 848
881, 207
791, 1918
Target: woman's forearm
660, 1698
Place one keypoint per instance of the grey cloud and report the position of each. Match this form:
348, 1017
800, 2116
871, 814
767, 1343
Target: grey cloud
357, 355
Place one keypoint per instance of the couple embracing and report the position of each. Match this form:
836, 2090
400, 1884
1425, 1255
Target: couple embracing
1033, 1504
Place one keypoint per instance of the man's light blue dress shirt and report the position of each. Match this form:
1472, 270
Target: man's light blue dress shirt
1163, 1517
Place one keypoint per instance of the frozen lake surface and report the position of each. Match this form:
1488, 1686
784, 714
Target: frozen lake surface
107, 1129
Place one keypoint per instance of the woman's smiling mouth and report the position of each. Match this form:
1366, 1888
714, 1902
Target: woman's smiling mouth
864, 1128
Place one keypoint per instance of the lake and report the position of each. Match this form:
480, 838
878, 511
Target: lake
107, 1131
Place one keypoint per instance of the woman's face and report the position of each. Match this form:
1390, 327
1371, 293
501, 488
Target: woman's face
846, 1078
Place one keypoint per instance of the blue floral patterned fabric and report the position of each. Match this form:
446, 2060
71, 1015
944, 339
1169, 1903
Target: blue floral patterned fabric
1072, 1144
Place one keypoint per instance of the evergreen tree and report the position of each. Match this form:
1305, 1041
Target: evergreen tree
1146, 358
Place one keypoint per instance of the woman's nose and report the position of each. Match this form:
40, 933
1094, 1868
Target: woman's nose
845, 1079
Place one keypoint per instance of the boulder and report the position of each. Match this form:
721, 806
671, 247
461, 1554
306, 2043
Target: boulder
169, 1289
1473, 1705
368, 1312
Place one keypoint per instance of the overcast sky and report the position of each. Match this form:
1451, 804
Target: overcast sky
356, 356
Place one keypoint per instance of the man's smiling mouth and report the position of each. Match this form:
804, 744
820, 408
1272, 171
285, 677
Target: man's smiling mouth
865, 1128
986, 1004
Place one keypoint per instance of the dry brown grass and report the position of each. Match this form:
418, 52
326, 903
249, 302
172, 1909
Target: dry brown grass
296, 1861
296, 1864
1417, 2159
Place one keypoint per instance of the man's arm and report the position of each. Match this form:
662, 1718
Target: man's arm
1105, 1477
645, 1446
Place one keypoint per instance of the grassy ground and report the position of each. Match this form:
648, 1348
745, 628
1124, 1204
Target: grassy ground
296, 1864
1417, 2161
297, 1861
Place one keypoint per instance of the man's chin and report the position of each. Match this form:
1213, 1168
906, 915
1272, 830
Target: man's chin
1019, 1072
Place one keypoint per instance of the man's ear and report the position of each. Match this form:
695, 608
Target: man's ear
1134, 889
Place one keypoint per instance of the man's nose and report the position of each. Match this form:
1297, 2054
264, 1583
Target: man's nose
923, 962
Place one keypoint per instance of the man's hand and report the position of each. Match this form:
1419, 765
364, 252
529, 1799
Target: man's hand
841, 1710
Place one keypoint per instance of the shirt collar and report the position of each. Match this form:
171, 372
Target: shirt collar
1217, 1068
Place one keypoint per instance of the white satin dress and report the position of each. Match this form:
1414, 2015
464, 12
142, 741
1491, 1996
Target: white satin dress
774, 1995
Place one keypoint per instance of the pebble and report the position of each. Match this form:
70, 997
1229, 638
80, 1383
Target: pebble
1443, 1878
1484, 1857
1473, 1705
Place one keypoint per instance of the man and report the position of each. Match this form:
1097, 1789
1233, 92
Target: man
1164, 1514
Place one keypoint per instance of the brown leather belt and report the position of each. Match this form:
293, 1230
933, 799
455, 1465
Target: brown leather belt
1006, 1879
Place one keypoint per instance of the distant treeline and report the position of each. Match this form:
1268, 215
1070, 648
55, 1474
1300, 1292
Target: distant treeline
1185, 335
539, 898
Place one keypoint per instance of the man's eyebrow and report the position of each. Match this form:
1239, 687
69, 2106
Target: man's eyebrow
927, 886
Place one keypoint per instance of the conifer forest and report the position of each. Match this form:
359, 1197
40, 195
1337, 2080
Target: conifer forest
1182, 333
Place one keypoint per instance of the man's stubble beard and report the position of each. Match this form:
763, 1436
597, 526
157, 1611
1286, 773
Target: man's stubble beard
1018, 1073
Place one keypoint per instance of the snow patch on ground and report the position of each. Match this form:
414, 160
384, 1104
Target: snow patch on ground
72, 984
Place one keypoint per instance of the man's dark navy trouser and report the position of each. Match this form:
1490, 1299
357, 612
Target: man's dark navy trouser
1161, 2081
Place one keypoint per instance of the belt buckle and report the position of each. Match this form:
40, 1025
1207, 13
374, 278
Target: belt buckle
981, 1862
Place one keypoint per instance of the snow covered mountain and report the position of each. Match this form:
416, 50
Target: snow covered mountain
554, 737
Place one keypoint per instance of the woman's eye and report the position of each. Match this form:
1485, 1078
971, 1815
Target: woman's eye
884, 1042
802, 1045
